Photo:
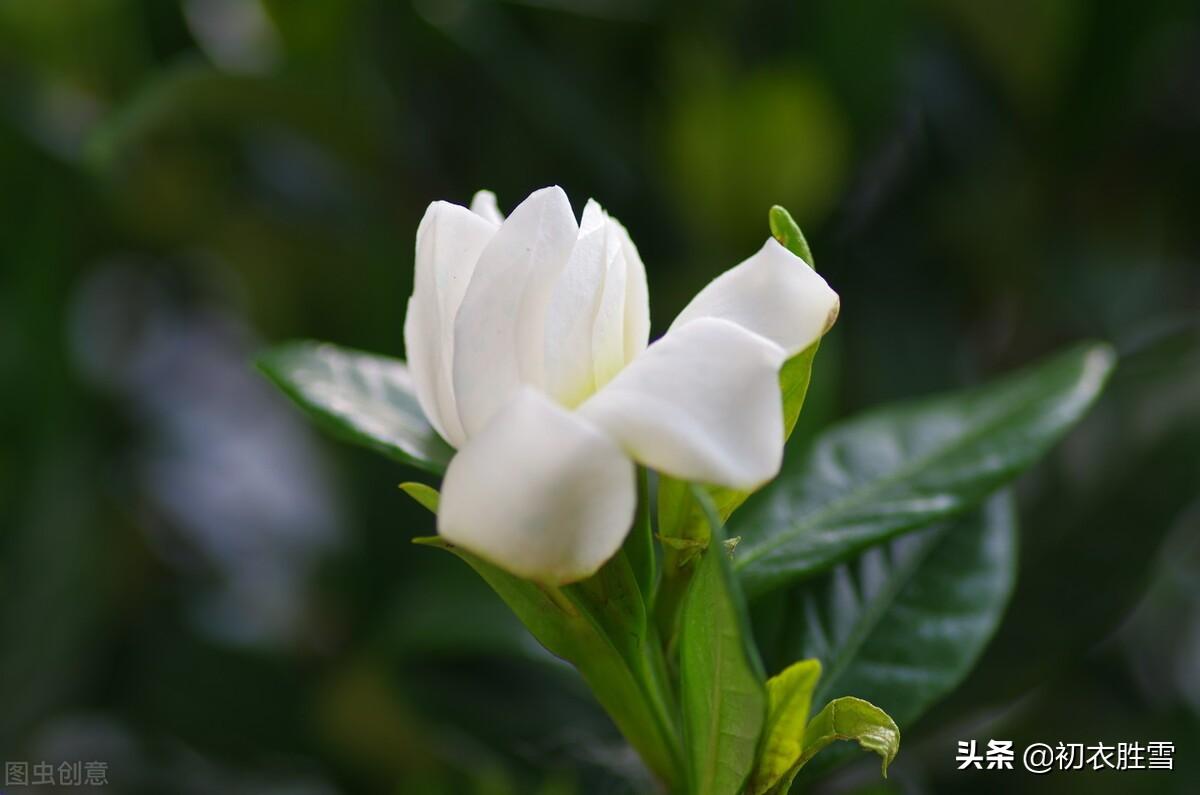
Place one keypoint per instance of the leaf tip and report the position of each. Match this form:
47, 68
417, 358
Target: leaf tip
425, 496
787, 232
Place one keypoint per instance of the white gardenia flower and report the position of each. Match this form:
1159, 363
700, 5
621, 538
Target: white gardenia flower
527, 342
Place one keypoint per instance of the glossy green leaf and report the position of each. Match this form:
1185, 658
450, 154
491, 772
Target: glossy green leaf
1140, 470
599, 626
903, 623
721, 682
901, 468
789, 700
850, 718
360, 397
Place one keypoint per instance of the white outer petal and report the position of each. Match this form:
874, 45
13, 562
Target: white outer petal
500, 328
637, 296
608, 329
774, 294
702, 404
483, 204
539, 492
450, 239
422, 349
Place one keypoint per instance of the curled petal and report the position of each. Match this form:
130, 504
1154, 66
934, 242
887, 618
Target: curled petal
774, 294
450, 239
702, 404
499, 333
539, 492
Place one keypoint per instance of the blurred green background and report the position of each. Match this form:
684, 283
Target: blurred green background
202, 591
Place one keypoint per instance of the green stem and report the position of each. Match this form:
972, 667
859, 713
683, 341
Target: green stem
638, 696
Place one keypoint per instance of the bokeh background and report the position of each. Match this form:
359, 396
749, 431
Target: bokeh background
204, 592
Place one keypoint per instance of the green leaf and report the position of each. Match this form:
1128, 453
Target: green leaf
721, 680
900, 468
789, 699
903, 624
1135, 474
360, 397
426, 496
599, 625
850, 718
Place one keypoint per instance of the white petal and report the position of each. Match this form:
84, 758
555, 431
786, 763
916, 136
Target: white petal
585, 320
608, 329
774, 293
450, 239
422, 341
593, 217
539, 492
483, 204
702, 404
570, 317
637, 297
500, 328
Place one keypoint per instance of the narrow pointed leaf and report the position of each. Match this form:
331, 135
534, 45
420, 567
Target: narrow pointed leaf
721, 682
901, 468
360, 397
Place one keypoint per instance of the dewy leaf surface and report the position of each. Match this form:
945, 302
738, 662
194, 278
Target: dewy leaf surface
721, 682
360, 397
901, 468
